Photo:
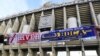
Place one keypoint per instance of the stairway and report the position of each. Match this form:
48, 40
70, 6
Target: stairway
96, 6
59, 18
37, 17
85, 15
71, 11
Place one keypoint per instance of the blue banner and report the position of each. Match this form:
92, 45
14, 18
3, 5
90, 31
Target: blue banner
70, 34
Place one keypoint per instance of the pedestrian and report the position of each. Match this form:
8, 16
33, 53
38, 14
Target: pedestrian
98, 28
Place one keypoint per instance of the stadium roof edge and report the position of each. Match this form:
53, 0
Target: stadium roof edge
36, 10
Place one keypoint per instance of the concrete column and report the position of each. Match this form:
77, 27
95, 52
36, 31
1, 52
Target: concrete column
53, 25
4, 53
9, 25
20, 52
23, 23
65, 17
83, 50
32, 23
95, 21
93, 13
54, 53
34, 53
41, 51
15, 25
78, 15
45, 53
2, 27
30, 53
67, 51
42, 14
11, 52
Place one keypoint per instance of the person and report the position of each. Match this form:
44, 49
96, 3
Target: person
98, 28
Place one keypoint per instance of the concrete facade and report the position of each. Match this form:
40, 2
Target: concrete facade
85, 11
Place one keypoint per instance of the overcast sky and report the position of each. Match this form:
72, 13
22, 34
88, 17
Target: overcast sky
10, 7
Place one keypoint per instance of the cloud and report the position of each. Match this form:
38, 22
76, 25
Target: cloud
10, 7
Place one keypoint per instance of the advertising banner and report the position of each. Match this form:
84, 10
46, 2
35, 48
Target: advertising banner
24, 38
70, 34
56, 35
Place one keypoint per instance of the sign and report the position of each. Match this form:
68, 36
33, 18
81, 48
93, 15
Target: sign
66, 34
69, 34
46, 21
24, 38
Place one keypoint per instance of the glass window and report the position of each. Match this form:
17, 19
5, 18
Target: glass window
91, 53
75, 53
61, 53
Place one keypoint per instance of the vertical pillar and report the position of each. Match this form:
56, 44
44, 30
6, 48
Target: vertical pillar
42, 14
15, 25
54, 53
2, 27
67, 51
30, 53
9, 25
22, 23
45, 53
53, 25
83, 50
20, 52
79, 24
32, 23
93, 13
78, 15
95, 21
4, 53
11, 52
34, 53
41, 51
65, 17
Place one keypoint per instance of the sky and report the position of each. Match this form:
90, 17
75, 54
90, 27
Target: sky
10, 7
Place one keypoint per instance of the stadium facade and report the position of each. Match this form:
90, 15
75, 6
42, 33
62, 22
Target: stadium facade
82, 13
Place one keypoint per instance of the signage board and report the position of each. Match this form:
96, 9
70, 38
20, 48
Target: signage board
24, 38
56, 35
70, 34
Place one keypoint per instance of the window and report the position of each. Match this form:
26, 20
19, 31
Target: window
61, 53
75, 53
91, 53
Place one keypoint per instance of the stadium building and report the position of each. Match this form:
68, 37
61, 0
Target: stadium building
48, 18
